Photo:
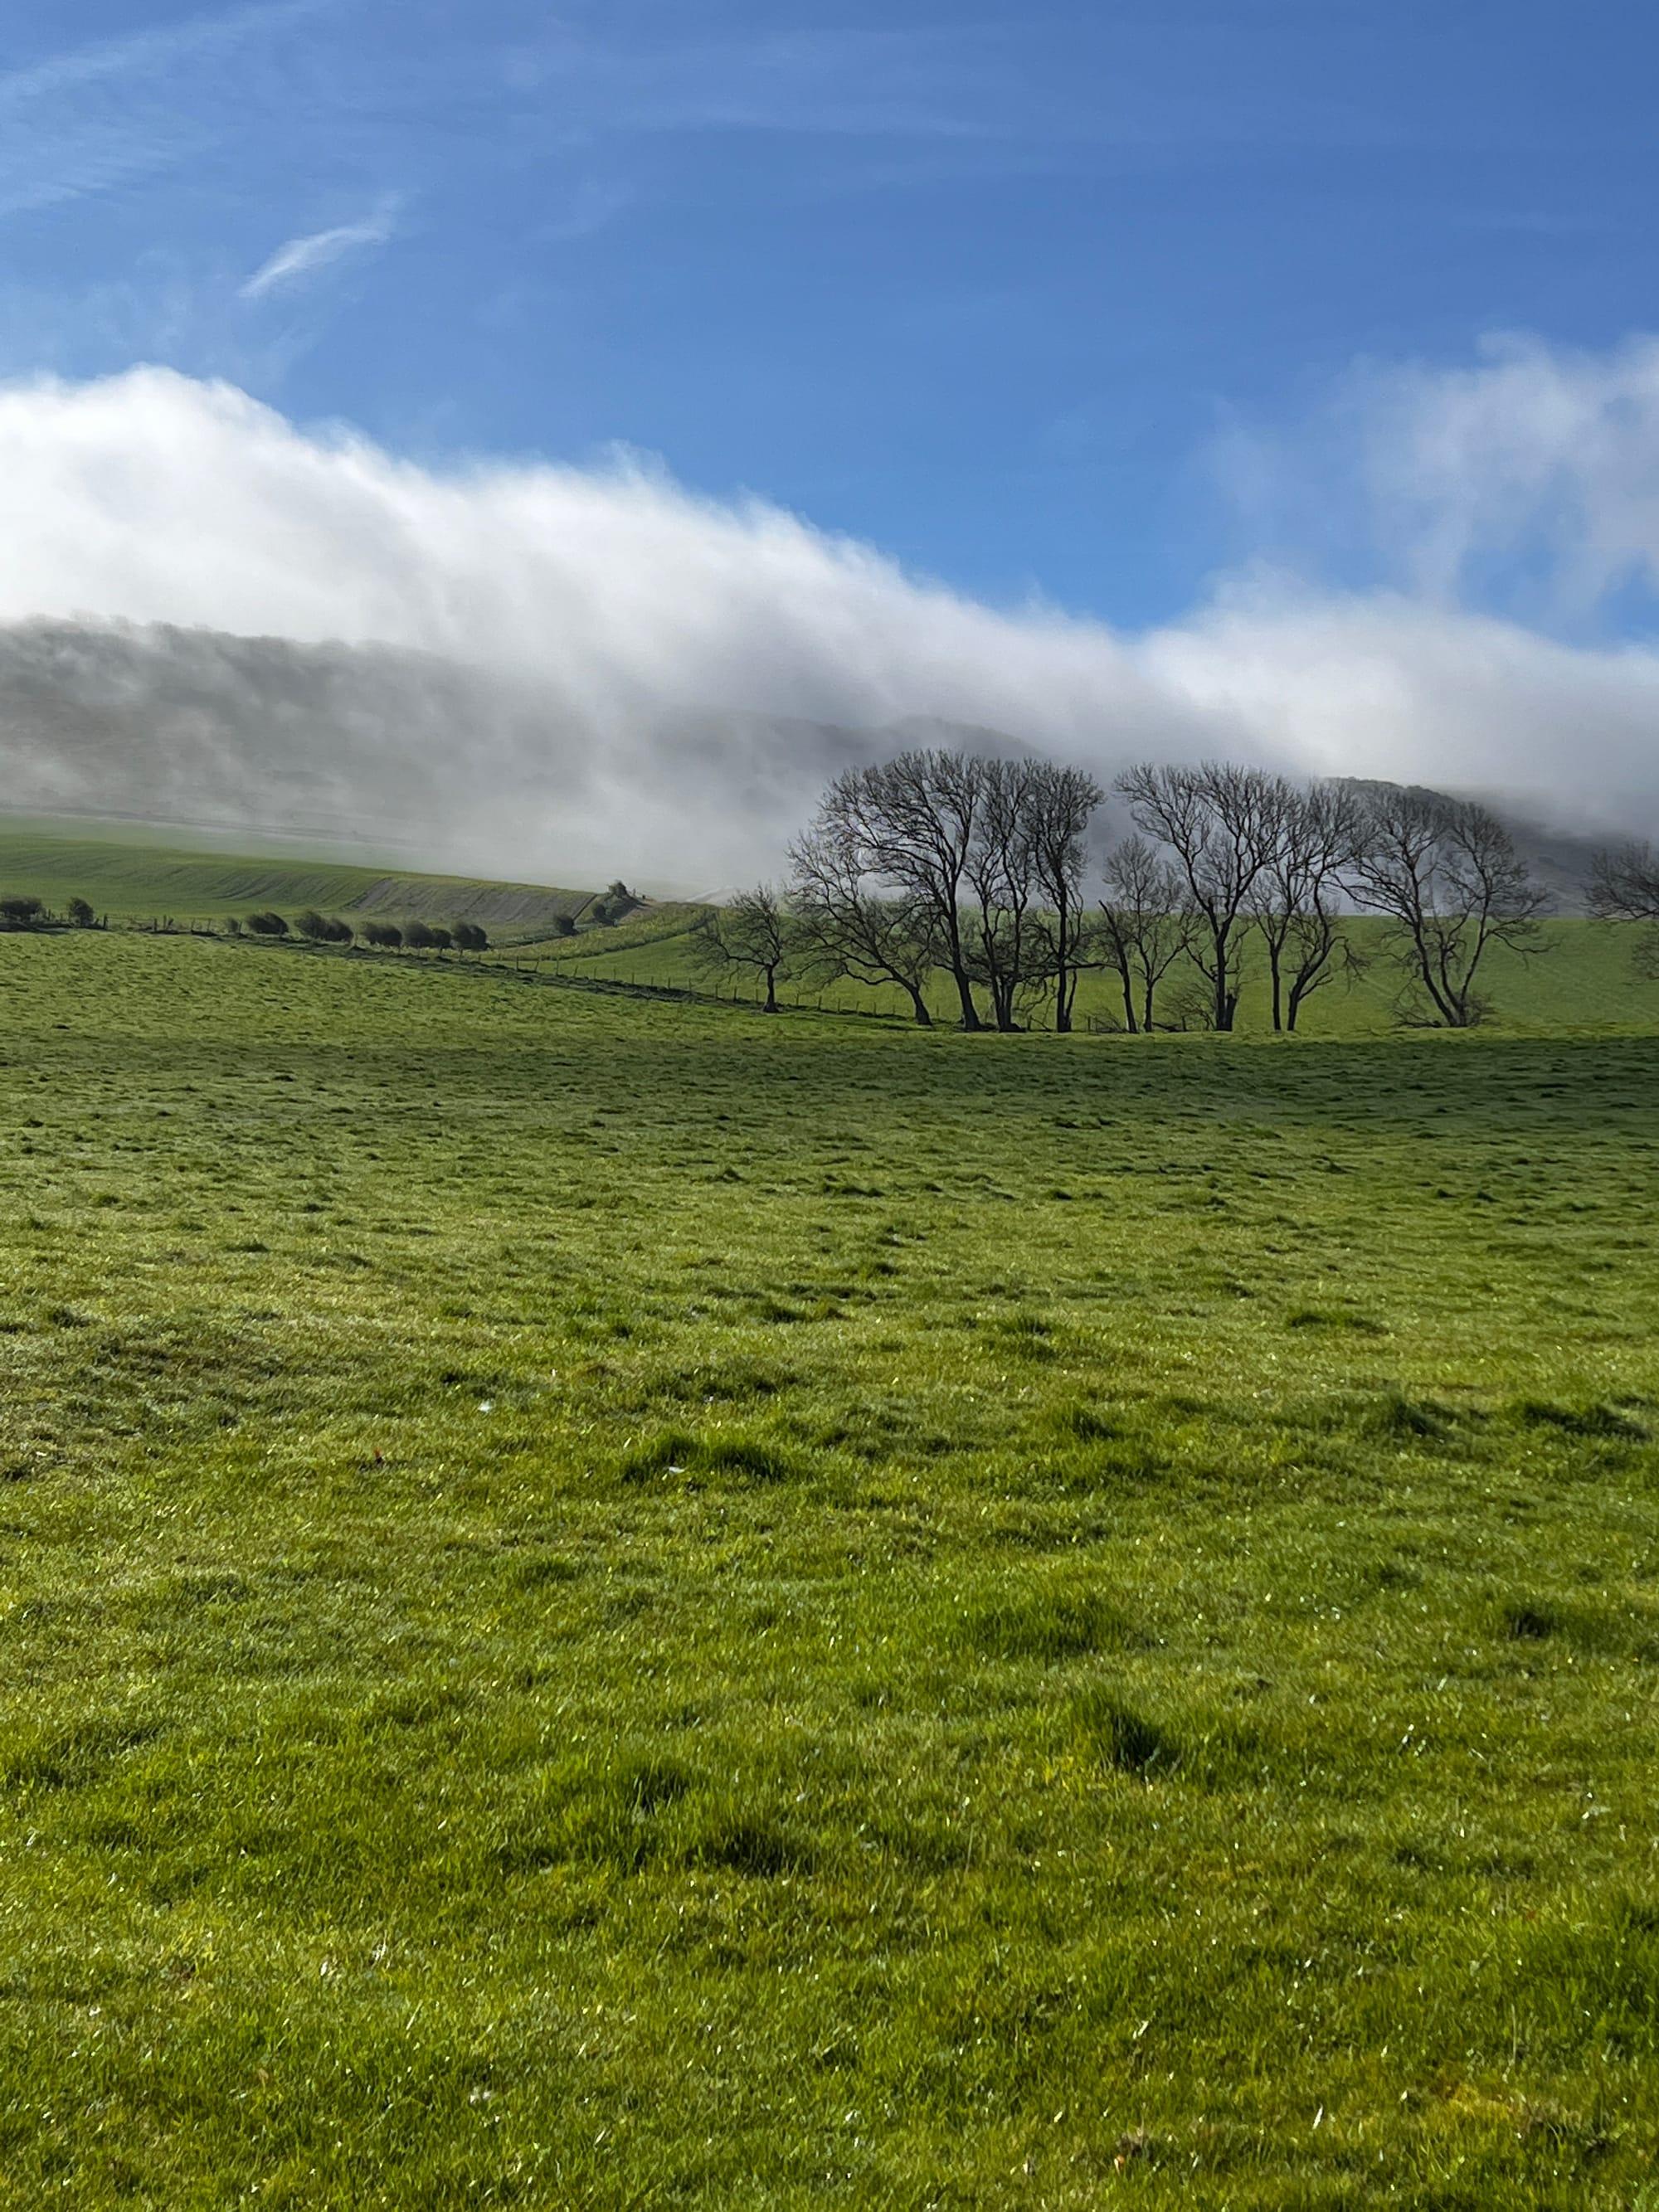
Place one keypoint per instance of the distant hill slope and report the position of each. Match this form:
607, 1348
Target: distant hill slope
127, 877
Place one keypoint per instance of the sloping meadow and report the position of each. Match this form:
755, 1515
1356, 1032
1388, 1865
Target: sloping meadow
618, 1603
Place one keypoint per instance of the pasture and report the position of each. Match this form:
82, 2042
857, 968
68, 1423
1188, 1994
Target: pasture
623, 1604
123, 874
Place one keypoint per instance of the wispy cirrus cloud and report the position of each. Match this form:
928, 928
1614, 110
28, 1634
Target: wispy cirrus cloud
100, 116
303, 257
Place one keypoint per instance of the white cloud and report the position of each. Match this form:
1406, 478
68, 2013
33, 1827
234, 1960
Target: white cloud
671, 661
1527, 482
303, 257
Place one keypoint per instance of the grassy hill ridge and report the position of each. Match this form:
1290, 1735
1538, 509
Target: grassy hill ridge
128, 877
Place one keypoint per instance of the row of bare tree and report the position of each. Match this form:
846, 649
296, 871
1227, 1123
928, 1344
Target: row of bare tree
979, 870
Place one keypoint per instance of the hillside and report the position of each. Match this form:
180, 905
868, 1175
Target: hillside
124, 876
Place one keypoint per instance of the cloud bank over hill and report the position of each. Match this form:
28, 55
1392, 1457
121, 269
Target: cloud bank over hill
211, 614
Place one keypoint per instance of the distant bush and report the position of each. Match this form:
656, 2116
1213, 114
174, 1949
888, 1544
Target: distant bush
599, 911
21, 910
470, 938
340, 932
419, 938
439, 938
80, 914
385, 934
310, 925
265, 924
564, 925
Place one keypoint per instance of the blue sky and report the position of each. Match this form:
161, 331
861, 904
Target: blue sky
992, 287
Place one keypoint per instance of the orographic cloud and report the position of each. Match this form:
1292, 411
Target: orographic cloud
662, 682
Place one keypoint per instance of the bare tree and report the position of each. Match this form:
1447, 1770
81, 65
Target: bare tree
911, 823
1625, 883
1000, 876
1445, 875
754, 931
847, 929
1218, 821
1061, 803
1145, 924
1297, 899
1625, 887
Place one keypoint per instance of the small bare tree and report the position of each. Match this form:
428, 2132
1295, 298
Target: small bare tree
755, 931
1000, 875
1624, 883
1218, 821
1297, 900
1445, 875
1060, 804
1625, 887
847, 929
1144, 925
911, 823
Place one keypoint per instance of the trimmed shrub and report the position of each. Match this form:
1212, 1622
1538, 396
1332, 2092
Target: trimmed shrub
385, 934
339, 932
439, 938
419, 938
310, 926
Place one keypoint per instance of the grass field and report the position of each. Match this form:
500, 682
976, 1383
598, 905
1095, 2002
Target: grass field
619, 1604
1583, 976
123, 874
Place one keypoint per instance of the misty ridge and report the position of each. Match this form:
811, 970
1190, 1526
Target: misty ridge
446, 765
405, 751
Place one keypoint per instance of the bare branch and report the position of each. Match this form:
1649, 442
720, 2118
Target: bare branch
1445, 875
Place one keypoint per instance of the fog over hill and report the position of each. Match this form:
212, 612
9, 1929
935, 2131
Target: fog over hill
411, 753
405, 751
208, 615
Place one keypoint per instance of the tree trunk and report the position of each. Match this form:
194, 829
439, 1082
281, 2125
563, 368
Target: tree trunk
771, 990
1223, 1000
920, 1005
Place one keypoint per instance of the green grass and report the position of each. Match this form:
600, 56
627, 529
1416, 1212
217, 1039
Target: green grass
1583, 977
623, 1604
130, 878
